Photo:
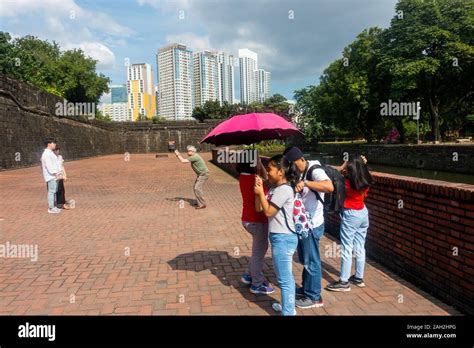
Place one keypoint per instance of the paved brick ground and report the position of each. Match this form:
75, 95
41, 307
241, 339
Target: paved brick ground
182, 261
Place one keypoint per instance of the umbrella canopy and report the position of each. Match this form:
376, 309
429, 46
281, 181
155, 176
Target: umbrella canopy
250, 128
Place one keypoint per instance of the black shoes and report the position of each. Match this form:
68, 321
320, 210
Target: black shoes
357, 281
339, 286
346, 286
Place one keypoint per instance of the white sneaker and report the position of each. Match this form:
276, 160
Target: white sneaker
278, 308
54, 211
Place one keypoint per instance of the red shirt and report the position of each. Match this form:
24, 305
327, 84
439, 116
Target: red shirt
354, 199
249, 214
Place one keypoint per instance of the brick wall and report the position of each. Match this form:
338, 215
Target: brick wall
416, 241
27, 116
419, 240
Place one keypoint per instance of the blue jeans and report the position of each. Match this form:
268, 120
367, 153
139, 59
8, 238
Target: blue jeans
283, 247
52, 188
310, 257
354, 225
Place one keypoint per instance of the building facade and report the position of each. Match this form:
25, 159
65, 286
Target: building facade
118, 93
141, 95
206, 77
175, 82
118, 112
263, 85
248, 64
254, 82
226, 78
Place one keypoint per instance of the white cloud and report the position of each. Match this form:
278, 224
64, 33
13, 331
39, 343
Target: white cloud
68, 24
54, 25
97, 51
191, 40
167, 5
67, 10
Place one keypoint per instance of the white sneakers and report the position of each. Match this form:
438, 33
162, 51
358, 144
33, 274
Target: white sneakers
54, 211
277, 307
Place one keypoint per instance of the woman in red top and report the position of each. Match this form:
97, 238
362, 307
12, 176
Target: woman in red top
257, 225
354, 223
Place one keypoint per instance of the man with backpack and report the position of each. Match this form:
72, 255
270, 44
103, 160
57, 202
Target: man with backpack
313, 184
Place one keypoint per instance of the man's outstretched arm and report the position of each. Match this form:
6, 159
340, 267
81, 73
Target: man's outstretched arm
182, 160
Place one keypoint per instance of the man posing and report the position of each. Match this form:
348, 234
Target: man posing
309, 295
200, 168
51, 172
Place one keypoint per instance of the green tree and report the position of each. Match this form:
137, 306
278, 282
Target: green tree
350, 90
430, 49
79, 81
69, 74
278, 105
100, 116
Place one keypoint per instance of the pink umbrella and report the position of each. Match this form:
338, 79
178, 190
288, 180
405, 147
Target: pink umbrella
250, 128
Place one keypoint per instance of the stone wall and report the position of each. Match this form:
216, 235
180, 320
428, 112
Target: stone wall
423, 156
422, 230
27, 116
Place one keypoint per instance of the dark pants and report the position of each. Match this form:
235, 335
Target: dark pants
310, 257
61, 193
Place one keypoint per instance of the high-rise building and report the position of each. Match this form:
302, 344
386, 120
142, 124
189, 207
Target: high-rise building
141, 96
263, 84
248, 62
118, 93
114, 104
118, 112
157, 100
226, 77
254, 82
206, 77
175, 82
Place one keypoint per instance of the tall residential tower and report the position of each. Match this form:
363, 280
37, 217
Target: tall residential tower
206, 79
248, 62
175, 82
226, 77
141, 96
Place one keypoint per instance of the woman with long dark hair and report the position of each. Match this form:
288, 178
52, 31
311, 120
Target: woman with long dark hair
277, 204
354, 223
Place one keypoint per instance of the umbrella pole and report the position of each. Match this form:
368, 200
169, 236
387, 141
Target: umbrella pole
253, 148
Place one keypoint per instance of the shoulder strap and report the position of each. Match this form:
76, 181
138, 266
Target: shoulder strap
286, 221
310, 171
284, 214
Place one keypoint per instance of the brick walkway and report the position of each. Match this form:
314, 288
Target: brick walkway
182, 261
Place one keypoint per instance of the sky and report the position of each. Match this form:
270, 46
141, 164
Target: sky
295, 39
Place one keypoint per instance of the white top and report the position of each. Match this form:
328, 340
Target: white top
283, 198
61, 162
312, 204
49, 165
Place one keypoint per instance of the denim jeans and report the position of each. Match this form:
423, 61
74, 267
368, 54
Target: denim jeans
52, 188
283, 247
310, 257
259, 232
354, 225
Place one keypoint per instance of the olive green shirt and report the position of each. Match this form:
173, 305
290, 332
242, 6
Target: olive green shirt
198, 164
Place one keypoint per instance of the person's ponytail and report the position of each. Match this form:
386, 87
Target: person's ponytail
288, 167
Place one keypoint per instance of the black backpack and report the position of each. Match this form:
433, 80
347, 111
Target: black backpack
334, 201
